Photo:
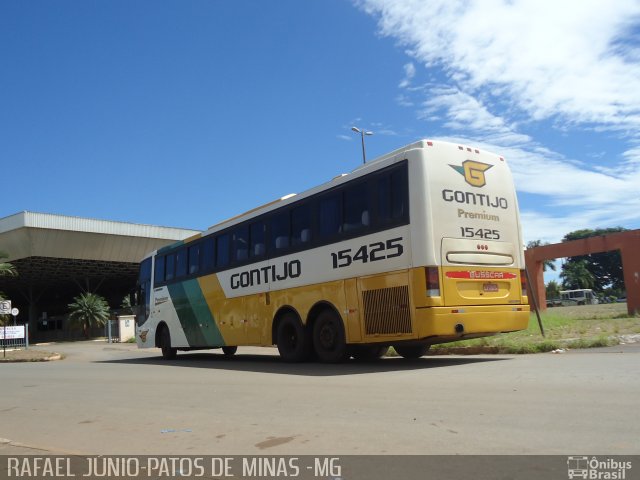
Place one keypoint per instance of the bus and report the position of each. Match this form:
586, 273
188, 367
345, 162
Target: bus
419, 247
580, 296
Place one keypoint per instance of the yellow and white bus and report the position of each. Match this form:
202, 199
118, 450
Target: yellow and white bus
418, 247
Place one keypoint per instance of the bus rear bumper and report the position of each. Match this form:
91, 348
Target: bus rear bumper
470, 320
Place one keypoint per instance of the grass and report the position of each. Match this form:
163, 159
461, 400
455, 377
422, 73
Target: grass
565, 327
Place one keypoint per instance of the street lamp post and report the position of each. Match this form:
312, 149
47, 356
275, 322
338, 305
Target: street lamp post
362, 134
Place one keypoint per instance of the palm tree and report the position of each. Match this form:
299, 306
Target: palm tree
6, 269
576, 275
88, 310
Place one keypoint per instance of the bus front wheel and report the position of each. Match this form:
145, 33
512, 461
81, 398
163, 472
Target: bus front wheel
329, 339
292, 339
229, 351
168, 352
411, 352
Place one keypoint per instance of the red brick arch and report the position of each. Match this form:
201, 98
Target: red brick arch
627, 242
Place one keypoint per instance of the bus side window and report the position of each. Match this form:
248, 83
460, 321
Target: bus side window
392, 196
356, 207
257, 246
301, 225
280, 231
222, 250
181, 263
399, 193
241, 244
159, 273
194, 259
330, 215
170, 267
207, 255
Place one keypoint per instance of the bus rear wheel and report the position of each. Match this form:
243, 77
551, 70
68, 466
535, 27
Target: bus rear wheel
229, 351
292, 339
168, 352
329, 341
411, 352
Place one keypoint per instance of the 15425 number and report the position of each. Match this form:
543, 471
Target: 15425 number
485, 233
368, 253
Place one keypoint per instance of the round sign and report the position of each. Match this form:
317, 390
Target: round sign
15, 312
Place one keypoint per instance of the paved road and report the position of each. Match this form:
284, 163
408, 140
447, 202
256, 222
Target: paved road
120, 400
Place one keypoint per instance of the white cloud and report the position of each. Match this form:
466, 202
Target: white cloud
571, 62
344, 137
563, 59
409, 73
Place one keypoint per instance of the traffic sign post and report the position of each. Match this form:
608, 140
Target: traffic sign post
5, 307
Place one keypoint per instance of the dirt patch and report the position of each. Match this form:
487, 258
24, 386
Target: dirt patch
28, 355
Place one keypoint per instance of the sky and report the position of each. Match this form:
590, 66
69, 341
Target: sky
185, 113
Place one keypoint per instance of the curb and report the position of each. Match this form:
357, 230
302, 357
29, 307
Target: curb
50, 358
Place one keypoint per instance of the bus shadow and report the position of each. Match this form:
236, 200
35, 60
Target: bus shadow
271, 364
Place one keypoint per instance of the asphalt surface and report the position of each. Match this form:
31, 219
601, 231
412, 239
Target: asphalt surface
115, 399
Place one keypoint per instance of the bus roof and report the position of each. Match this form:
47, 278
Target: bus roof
372, 165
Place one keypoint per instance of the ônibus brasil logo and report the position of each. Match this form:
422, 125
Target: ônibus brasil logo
473, 172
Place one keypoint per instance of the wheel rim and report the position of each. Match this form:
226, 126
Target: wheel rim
327, 336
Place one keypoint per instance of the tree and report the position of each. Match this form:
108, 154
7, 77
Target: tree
576, 275
553, 289
547, 263
605, 268
6, 269
88, 310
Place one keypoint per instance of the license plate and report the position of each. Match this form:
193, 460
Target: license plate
490, 287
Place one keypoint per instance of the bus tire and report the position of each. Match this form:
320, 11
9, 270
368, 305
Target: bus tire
329, 341
229, 351
168, 352
366, 353
292, 339
412, 352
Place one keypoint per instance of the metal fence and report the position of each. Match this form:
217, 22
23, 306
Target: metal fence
14, 337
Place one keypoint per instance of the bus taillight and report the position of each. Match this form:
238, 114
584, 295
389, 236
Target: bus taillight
523, 282
433, 281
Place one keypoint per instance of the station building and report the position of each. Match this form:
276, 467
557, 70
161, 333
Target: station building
57, 257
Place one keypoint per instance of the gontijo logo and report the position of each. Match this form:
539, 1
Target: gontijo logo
473, 172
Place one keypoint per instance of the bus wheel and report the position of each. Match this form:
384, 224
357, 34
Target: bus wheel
328, 338
368, 352
228, 351
168, 352
292, 339
412, 352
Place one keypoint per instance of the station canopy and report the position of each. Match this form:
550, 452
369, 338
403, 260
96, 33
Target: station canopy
57, 257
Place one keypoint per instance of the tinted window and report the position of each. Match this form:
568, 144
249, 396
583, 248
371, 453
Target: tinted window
280, 231
170, 271
194, 259
222, 250
181, 263
331, 215
241, 244
301, 225
398, 194
159, 274
207, 254
392, 196
257, 247
356, 207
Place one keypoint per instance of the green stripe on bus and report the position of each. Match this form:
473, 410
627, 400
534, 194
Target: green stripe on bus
195, 317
